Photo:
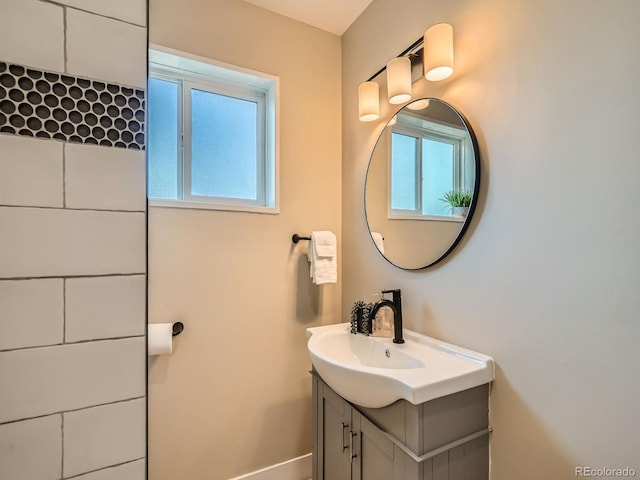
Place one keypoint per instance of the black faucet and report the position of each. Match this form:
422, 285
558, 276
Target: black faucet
396, 306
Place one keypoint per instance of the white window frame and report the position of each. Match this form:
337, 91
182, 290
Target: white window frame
439, 132
194, 72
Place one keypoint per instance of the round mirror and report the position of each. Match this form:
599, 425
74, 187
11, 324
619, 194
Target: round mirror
422, 184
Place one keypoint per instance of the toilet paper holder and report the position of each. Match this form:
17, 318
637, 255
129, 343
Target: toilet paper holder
177, 329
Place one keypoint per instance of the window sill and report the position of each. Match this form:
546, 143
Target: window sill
156, 203
428, 218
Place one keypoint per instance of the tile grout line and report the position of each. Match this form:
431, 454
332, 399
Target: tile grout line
96, 275
62, 449
64, 175
64, 32
76, 76
94, 13
130, 149
79, 342
104, 468
72, 209
9, 422
64, 310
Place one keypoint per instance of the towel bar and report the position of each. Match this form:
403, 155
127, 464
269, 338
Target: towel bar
296, 238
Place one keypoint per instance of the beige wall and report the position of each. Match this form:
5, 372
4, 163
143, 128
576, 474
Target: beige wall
235, 395
547, 279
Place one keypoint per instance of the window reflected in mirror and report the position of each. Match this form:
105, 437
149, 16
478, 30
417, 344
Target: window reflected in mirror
427, 161
422, 184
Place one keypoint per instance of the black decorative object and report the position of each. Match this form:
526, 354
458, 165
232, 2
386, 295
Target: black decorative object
51, 105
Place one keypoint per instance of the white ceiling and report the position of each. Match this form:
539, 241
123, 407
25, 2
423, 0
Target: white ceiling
334, 16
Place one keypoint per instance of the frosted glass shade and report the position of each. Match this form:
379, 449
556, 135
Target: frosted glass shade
419, 104
399, 80
438, 52
368, 101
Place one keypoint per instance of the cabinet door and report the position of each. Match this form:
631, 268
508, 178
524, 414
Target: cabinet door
376, 457
333, 423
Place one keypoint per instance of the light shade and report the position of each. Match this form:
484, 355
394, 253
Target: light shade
438, 52
399, 80
368, 101
419, 104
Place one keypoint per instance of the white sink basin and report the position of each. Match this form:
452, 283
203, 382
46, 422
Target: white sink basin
375, 372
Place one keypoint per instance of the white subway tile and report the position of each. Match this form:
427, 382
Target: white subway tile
30, 171
31, 449
133, 11
32, 34
32, 313
104, 178
38, 242
41, 381
106, 49
128, 471
102, 436
104, 307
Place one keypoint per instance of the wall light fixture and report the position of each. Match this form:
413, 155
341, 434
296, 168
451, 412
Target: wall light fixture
436, 47
368, 101
399, 80
438, 52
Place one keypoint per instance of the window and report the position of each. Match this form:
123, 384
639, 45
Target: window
211, 141
427, 161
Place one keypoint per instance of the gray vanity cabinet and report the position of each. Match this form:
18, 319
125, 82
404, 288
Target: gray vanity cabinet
377, 458
444, 439
347, 445
331, 441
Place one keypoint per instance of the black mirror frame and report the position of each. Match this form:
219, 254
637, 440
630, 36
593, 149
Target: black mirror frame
474, 200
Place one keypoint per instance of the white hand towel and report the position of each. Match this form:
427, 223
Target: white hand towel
379, 241
322, 255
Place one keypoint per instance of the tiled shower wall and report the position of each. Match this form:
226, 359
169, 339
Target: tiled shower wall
72, 239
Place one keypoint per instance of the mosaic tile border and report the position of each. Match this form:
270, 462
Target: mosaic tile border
42, 104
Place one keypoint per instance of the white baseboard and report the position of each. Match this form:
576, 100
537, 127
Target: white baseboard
294, 469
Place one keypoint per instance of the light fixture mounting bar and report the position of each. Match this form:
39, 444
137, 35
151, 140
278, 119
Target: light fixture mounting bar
411, 50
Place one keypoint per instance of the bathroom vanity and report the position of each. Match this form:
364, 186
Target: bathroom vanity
443, 439
411, 408
424, 415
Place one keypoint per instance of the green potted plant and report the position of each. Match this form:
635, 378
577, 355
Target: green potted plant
459, 202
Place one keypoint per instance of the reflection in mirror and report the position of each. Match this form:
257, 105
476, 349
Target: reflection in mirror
422, 184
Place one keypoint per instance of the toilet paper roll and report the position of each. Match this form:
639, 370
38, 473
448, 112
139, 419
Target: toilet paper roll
160, 338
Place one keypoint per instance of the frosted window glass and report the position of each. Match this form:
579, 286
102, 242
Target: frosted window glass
162, 141
223, 146
437, 176
403, 172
